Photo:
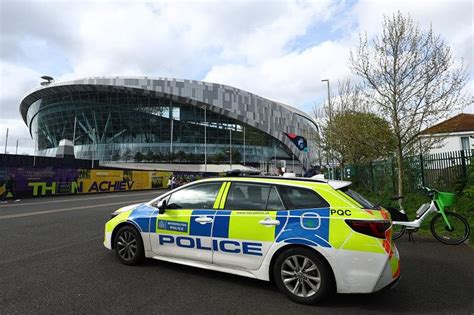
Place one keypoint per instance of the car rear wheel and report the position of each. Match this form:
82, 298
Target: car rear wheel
303, 276
128, 246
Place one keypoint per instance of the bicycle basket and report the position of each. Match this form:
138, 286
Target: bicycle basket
446, 199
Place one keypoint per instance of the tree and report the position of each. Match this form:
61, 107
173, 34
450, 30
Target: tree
116, 155
181, 156
127, 154
149, 156
138, 157
218, 157
359, 137
157, 157
347, 124
412, 78
236, 156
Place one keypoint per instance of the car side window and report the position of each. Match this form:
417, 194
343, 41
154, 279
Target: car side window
301, 198
195, 197
243, 196
274, 201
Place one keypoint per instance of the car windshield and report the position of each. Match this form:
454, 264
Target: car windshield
360, 199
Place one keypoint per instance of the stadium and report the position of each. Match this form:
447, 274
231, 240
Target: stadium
161, 119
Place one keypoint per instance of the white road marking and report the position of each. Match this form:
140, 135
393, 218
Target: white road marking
120, 195
28, 214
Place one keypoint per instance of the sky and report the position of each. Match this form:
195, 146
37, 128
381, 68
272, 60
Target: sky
280, 50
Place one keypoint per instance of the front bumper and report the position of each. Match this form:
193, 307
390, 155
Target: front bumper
108, 240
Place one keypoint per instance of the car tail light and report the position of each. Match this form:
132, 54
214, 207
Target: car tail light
372, 228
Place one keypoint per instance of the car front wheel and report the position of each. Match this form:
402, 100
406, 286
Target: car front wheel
303, 276
128, 246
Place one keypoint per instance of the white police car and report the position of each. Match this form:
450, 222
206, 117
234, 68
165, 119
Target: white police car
313, 237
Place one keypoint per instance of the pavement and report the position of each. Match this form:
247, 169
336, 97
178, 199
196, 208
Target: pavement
52, 261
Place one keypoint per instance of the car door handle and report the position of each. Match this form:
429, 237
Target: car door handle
203, 220
269, 222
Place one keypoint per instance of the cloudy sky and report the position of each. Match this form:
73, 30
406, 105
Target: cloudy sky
277, 49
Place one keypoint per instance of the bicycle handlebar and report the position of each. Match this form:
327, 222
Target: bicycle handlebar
431, 193
429, 189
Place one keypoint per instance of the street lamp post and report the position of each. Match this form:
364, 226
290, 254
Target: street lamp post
74, 135
331, 174
74, 131
275, 158
317, 130
230, 148
293, 156
36, 149
244, 145
6, 142
92, 148
171, 138
205, 138
329, 96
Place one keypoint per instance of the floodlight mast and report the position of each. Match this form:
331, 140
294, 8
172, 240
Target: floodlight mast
332, 170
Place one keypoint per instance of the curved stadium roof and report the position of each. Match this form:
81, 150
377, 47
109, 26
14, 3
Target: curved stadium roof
269, 116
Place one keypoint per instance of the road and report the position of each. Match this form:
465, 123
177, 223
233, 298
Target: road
52, 261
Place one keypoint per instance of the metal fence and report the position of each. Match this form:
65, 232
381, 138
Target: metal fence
18, 160
445, 171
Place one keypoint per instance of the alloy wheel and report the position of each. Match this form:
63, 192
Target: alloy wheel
127, 245
301, 276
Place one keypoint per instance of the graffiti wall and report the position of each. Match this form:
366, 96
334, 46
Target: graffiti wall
34, 182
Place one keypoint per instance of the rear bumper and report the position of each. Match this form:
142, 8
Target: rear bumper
363, 272
391, 285
391, 271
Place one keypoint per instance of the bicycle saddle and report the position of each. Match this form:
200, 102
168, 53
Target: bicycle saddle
396, 197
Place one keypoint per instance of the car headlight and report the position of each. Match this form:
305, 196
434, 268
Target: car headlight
113, 215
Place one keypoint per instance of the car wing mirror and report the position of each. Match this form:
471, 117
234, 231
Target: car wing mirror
162, 206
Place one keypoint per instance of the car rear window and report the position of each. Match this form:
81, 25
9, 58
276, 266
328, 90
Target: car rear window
364, 202
301, 198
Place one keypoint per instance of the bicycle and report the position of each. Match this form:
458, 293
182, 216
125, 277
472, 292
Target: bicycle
447, 227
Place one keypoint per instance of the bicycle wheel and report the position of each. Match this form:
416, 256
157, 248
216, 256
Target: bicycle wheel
458, 233
397, 231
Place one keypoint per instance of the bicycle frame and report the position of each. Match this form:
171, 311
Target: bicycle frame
417, 222
440, 201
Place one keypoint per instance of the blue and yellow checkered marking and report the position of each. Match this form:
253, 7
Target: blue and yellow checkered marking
221, 224
198, 229
309, 226
141, 216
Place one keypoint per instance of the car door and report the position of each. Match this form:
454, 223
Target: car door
184, 230
244, 229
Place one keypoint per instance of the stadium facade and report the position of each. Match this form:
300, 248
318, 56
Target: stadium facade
113, 118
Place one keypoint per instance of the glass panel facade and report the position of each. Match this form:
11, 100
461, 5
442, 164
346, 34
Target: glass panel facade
116, 125
465, 144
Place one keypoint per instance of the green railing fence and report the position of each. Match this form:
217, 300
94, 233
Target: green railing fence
444, 171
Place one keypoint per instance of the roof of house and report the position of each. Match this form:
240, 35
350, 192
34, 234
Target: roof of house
458, 123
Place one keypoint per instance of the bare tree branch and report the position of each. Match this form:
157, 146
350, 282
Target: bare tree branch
413, 79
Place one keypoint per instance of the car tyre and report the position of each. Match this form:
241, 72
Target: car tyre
128, 246
303, 275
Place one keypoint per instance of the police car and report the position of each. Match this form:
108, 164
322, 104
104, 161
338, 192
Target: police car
312, 237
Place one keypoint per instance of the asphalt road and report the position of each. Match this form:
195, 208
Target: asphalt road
52, 261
